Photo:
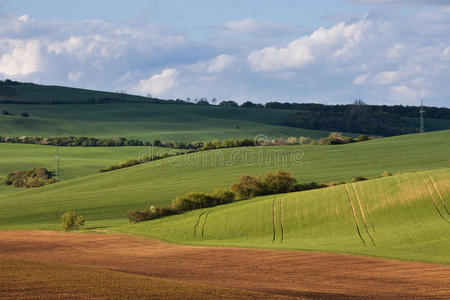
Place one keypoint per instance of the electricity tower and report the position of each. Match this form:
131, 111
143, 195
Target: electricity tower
57, 164
421, 111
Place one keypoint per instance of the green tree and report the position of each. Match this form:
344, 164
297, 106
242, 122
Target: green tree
71, 221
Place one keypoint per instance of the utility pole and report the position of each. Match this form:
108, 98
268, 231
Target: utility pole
421, 111
57, 164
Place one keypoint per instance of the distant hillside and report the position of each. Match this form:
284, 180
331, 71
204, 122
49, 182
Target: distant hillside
131, 116
30, 93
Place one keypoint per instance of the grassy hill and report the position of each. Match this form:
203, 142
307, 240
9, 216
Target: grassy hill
148, 121
62, 111
396, 217
36, 93
104, 198
73, 161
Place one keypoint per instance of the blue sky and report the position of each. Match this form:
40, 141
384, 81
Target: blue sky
383, 51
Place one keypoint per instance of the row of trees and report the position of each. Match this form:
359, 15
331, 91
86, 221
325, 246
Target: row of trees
363, 120
134, 162
247, 187
30, 178
71, 141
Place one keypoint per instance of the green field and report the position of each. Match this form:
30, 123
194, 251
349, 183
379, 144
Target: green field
396, 212
145, 121
73, 161
104, 198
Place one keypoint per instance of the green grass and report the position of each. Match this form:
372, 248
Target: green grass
399, 213
168, 122
104, 198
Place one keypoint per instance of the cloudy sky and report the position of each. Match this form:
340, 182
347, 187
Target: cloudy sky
329, 51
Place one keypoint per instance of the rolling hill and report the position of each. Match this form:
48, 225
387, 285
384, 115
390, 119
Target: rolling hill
104, 198
404, 217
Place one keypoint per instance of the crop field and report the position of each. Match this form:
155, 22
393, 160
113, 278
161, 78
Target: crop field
146, 121
135, 267
104, 198
41, 280
404, 217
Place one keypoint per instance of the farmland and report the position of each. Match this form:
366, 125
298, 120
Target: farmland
104, 198
404, 217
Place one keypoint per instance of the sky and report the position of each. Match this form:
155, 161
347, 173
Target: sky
329, 51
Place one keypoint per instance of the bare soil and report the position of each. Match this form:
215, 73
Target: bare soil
312, 275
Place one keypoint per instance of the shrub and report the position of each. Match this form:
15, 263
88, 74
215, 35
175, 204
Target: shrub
362, 138
358, 178
71, 221
308, 186
29, 178
292, 140
25, 114
223, 196
153, 212
192, 201
304, 140
4, 112
247, 187
278, 182
386, 174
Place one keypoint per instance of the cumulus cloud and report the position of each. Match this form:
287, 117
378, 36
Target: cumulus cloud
380, 58
18, 58
158, 84
333, 43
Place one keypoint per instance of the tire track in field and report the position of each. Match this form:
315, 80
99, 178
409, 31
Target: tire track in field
281, 220
362, 214
432, 199
204, 223
354, 215
273, 220
439, 193
198, 221
368, 215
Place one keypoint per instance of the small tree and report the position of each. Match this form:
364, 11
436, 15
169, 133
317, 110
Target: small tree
71, 221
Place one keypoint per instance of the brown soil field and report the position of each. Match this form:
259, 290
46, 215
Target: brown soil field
213, 272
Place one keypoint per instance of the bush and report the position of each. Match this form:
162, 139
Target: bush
193, 201
223, 196
71, 221
29, 178
153, 212
4, 112
247, 187
278, 182
386, 174
25, 114
358, 178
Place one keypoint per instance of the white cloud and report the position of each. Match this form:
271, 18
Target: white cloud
19, 57
221, 63
159, 84
407, 94
337, 42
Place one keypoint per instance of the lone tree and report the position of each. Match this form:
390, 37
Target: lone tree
71, 221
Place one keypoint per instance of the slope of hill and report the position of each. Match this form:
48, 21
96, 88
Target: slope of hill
35, 93
167, 122
404, 217
104, 198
